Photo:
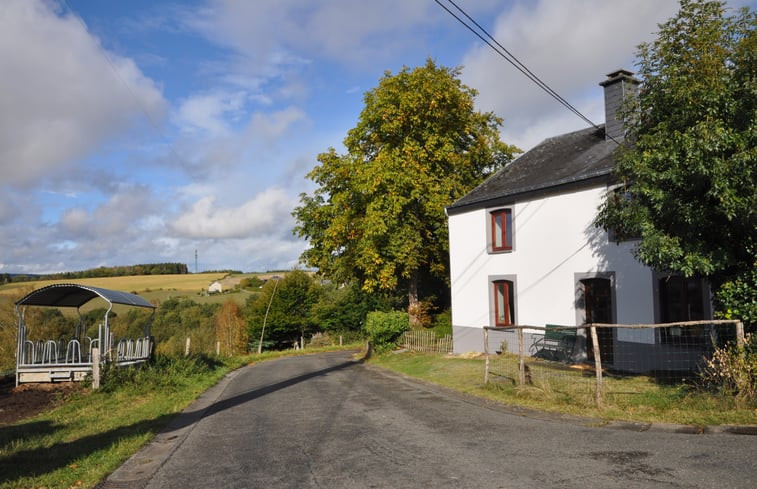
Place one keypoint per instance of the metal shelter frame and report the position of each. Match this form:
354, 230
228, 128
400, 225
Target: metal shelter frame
70, 358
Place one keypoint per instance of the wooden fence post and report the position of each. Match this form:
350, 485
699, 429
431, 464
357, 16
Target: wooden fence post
740, 334
186, 349
521, 361
597, 364
218, 348
486, 353
95, 368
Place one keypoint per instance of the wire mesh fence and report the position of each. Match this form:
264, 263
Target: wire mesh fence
590, 363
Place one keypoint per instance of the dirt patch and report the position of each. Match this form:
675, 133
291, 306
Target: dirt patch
27, 400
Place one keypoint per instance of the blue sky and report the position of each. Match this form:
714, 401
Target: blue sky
141, 131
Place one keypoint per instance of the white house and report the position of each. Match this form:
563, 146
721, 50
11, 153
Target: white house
524, 250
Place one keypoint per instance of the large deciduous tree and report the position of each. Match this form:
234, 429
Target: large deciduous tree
689, 169
377, 215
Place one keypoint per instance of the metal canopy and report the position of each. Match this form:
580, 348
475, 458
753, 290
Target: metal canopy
76, 295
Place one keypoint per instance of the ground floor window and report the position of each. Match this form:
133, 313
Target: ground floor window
504, 304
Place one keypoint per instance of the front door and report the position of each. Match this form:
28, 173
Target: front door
597, 300
683, 299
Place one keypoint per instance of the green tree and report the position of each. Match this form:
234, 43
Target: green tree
178, 319
377, 215
286, 306
344, 309
689, 170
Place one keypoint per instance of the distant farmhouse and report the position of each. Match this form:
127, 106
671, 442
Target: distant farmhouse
224, 285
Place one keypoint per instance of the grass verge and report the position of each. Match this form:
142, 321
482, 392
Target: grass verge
556, 388
80, 442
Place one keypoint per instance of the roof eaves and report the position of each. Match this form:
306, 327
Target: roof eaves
529, 189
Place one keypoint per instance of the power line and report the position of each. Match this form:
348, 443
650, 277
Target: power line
140, 104
510, 58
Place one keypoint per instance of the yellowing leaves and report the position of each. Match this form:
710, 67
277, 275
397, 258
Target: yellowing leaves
417, 146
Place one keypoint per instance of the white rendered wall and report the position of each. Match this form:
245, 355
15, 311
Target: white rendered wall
554, 239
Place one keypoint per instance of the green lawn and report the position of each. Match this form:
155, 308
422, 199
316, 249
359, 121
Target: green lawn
556, 388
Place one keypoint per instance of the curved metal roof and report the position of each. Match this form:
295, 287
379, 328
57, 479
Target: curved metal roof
76, 295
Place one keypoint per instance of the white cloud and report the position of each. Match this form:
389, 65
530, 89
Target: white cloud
270, 35
209, 112
267, 213
75, 222
122, 216
267, 128
61, 93
571, 45
232, 155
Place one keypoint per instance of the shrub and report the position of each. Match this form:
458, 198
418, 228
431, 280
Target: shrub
384, 329
422, 312
732, 370
737, 299
443, 323
320, 339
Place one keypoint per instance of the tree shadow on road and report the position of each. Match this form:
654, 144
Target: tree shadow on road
263, 391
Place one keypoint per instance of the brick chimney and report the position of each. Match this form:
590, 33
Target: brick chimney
618, 86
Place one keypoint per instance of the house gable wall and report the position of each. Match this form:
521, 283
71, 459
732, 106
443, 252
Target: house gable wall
556, 242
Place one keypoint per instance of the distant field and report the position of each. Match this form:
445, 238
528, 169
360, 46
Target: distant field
157, 288
194, 282
156, 296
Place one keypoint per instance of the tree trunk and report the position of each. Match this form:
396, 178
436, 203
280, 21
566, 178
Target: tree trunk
413, 304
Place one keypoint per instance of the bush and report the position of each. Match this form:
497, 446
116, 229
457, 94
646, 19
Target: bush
737, 299
732, 371
320, 339
384, 329
443, 323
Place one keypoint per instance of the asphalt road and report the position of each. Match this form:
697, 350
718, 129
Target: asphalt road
325, 421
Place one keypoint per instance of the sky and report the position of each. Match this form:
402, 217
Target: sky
155, 131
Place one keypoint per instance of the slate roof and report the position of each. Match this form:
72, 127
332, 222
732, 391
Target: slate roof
578, 158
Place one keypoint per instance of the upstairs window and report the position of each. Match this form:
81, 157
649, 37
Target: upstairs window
504, 307
501, 230
622, 231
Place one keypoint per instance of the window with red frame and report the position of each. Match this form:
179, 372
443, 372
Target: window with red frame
502, 230
503, 303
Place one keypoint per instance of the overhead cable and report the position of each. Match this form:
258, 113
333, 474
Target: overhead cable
498, 48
